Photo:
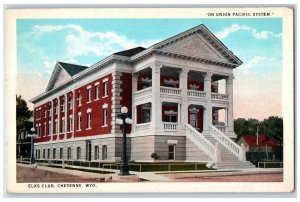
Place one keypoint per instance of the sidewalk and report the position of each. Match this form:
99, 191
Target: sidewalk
161, 176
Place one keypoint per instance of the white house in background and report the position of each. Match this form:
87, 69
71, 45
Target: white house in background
172, 93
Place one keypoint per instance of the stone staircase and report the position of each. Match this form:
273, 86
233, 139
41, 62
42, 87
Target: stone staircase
228, 160
224, 153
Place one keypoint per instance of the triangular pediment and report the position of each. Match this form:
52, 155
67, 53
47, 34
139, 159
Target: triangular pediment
58, 77
62, 78
195, 46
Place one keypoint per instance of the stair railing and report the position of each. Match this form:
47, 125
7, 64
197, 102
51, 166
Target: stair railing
228, 143
213, 151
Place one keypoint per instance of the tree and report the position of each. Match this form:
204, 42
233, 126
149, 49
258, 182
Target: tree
245, 127
23, 112
273, 127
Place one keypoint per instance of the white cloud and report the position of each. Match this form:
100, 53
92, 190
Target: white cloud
235, 27
259, 62
80, 42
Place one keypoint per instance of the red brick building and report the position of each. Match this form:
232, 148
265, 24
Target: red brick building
171, 90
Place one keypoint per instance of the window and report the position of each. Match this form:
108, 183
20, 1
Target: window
56, 127
56, 108
104, 117
38, 131
61, 152
96, 152
70, 123
50, 111
170, 116
36, 153
193, 119
44, 153
146, 82
63, 125
146, 115
49, 128
63, 105
105, 89
78, 153
48, 154
171, 155
45, 129
79, 99
97, 92
89, 95
89, 120
45, 112
71, 103
79, 121
39, 154
69, 153
104, 152
54, 153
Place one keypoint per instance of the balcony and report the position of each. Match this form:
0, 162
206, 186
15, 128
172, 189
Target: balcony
176, 93
196, 93
142, 126
169, 90
170, 126
219, 96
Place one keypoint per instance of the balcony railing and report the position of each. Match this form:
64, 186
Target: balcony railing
169, 126
142, 126
143, 91
196, 93
169, 90
219, 96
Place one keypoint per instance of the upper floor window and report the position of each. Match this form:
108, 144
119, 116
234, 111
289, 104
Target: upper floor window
56, 108
71, 102
56, 127
79, 100
89, 119
63, 105
63, 125
79, 121
104, 115
50, 111
45, 112
89, 95
45, 129
71, 123
96, 91
49, 128
105, 87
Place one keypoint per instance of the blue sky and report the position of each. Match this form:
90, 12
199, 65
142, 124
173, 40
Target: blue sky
257, 42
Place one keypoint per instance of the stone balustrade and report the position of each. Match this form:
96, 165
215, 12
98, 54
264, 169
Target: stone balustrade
196, 93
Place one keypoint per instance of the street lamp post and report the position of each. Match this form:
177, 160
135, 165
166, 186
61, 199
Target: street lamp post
124, 120
32, 136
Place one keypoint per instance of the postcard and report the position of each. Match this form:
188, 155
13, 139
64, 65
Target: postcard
150, 100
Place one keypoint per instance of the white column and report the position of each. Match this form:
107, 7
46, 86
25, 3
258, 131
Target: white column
229, 92
179, 113
183, 77
156, 103
208, 110
133, 113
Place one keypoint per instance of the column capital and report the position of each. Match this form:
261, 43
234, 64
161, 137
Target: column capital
135, 77
184, 72
156, 67
230, 78
208, 75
